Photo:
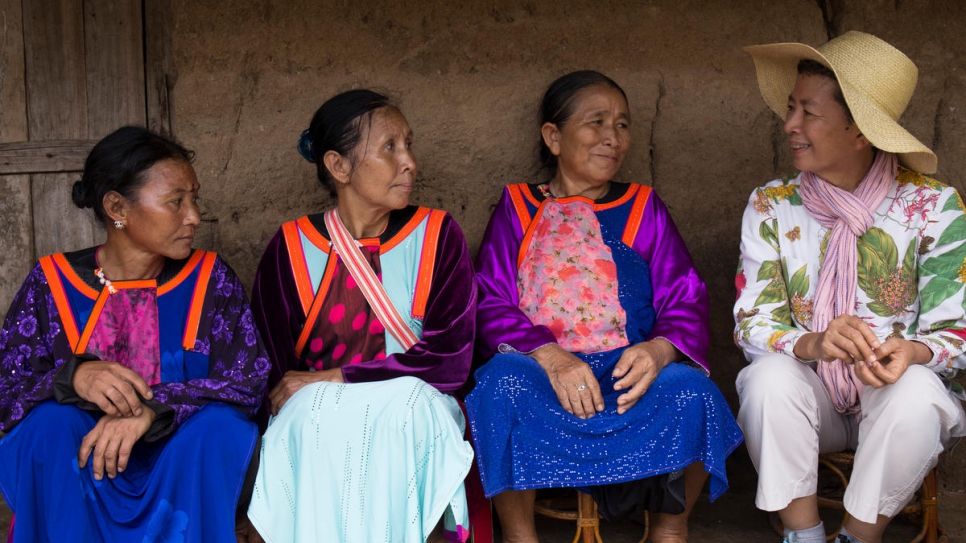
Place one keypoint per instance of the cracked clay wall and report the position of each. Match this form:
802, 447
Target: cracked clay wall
469, 78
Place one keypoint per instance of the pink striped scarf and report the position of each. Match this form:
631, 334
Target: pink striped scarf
848, 215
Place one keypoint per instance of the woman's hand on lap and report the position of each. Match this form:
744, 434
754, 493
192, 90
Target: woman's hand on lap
572, 380
893, 357
638, 367
112, 387
847, 338
108, 445
293, 381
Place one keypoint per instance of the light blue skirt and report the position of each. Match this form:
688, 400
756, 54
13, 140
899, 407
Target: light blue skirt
363, 462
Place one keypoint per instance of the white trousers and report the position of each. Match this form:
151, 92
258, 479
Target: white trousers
787, 417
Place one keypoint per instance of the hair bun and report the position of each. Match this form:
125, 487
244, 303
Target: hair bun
306, 146
79, 195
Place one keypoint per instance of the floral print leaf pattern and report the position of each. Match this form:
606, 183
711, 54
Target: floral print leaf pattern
768, 232
954, 204
950, 263
891, 289
936, 291
955, 232
877, 256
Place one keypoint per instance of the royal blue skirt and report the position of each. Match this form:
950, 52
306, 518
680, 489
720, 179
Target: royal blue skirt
524, 439
181, 489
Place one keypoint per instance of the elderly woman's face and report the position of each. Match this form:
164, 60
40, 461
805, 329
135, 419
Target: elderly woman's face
161, 220
592, 144
822, 139
384, 170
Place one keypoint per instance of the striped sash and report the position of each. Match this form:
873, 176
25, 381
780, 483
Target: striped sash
362, 273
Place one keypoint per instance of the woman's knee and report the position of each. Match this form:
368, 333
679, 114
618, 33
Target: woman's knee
774, 376
916, 399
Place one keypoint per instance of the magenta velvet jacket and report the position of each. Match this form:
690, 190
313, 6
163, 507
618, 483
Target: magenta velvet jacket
680, 295
441, 357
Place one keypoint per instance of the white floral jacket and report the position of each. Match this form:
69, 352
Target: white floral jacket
911, 271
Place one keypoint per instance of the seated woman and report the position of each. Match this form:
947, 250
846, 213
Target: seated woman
596, 322
368, 311
137, 360
850, 291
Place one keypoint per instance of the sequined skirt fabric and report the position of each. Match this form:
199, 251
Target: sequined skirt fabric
524, 439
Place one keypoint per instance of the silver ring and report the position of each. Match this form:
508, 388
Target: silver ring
581, 387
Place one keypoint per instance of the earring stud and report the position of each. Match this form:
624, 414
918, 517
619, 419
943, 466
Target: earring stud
119, 225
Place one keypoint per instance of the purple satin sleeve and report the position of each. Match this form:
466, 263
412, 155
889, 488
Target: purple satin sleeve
33, 349
499, 318
443, 355
680, 295
238, 363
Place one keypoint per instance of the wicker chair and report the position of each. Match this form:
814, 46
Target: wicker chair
585, 513
924, 505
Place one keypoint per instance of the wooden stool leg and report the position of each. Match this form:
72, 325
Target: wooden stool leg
588, 524
930, 510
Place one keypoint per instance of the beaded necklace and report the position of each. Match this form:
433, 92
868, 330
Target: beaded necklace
99, 272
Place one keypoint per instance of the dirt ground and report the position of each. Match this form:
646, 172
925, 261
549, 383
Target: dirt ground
731, 519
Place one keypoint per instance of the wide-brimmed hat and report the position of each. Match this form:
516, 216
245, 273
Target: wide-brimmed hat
876, 79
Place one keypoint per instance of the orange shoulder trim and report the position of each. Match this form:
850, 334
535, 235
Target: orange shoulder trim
198, 300
631, 193
49, 266
312, 314
427, 262
528, 234
184, 273
637, 213
296, 255
72, 277
316, 237
518, 195
405, 230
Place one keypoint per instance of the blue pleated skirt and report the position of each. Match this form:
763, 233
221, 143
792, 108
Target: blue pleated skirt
182, 489
524, 439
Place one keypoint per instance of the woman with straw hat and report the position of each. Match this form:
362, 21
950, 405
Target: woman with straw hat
850, 291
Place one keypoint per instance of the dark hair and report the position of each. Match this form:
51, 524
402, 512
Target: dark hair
119, 163
337, 126
807, 66
557, 105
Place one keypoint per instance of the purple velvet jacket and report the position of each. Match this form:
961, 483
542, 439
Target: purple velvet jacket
680, 295
441, 357
37, 362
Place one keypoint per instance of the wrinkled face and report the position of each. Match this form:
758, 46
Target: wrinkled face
383, 167
161, 219
592, 144
822, 139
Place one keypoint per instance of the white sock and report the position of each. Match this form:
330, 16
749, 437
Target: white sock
815, 534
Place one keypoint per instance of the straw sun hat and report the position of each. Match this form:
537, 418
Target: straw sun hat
876, 79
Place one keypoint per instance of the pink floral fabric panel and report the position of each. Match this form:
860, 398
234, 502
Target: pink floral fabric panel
126, 332
568, 280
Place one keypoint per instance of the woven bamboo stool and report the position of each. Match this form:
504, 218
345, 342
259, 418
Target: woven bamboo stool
588, 521
924, 504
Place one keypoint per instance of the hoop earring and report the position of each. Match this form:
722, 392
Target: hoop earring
119, 225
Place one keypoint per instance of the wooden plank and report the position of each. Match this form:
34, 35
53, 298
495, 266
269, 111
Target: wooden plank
16, 243
13, 114
55, 71
50, 156
59, 225
159, 69
115, 65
